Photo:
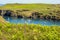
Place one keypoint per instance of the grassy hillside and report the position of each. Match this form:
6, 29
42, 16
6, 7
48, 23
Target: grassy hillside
30, 6
29, 32
37, 7
2, 20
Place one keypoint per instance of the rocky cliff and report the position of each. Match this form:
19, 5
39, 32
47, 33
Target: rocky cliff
54, 15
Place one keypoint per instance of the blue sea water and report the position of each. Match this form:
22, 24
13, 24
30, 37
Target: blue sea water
32, 21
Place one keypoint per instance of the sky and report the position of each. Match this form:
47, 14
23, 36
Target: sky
30, 1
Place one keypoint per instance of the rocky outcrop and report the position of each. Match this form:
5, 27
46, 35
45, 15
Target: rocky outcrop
19, 16
30, 14
7, 13
0, 12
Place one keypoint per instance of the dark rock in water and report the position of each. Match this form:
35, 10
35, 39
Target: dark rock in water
36, 15
49, 17
58, 19
8, 13
53, 18
44, 17
30, 17
41, 17
19, 16
0, 12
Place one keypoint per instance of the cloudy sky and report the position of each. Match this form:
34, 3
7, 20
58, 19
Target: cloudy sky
30, 1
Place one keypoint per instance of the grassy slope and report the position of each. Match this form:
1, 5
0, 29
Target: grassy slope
2, 20
29, 32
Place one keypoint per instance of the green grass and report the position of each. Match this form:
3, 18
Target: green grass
30, 6
29, 32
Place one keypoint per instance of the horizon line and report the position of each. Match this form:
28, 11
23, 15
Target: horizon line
30, 3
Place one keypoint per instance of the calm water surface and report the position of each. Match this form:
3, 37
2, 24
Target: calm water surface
32, 21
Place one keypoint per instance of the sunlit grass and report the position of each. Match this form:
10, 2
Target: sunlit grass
29, 32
